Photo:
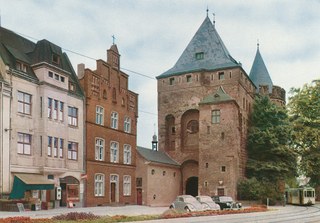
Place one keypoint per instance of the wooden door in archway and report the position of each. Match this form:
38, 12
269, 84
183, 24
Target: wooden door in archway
139, 196
113, 192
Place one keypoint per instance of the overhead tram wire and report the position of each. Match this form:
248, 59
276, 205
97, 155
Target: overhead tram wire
91, 58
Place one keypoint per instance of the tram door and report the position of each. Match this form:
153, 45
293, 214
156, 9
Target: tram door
300, 196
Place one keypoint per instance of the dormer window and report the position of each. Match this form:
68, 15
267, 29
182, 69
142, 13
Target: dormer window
55, 59
21, 66
199, 56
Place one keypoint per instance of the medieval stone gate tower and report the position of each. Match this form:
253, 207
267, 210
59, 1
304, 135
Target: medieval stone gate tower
204, 102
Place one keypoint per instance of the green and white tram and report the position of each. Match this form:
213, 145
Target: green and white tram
300, 196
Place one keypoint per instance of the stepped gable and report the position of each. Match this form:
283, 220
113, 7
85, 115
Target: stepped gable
206, 51
259, 73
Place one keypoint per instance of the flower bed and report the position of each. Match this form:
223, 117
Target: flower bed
89, 217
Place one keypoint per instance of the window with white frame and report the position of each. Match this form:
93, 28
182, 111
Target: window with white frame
24, 103
99, 151
126, 185
72, 116
49, 146
99, 115
99, 185
24, 144
55, 109
72, 150
127, 154
114, 152
215, 116
114, 120
61, 109
49, 107
127, 124
61, 148
55, 147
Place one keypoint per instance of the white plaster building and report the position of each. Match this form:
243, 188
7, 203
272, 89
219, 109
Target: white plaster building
45, 127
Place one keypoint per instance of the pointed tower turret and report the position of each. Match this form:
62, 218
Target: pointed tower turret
259, 73
206, 51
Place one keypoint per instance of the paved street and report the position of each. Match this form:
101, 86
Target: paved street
289, 213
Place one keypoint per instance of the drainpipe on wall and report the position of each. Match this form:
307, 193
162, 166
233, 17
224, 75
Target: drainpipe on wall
1, 139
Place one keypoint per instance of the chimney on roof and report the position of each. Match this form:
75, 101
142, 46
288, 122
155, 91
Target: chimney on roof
80, 70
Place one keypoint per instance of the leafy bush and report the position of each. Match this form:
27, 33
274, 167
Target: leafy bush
250, 189
75, 216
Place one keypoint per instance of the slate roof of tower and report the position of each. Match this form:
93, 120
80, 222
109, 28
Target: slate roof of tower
215, 54
217, 97
259, 73
14, 47
156, 156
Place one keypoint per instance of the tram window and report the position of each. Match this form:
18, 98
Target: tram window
308, 193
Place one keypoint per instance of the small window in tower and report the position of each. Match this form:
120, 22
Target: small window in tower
171, 81
222, 135
199, 56
223, 169
207, 165
164, 173
174, 174
189, 78
153, 171
173, 130
221, 75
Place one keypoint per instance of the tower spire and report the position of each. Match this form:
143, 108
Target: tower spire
207, 11
214, 19
258, 44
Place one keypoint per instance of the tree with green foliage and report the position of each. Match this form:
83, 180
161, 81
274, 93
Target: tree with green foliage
304, 111
270, 158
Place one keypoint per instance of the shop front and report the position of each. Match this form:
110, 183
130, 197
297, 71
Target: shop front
70, 192
31, 190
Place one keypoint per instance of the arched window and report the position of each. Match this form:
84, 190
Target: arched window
99, 185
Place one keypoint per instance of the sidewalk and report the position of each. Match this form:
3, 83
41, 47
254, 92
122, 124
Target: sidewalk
129, 210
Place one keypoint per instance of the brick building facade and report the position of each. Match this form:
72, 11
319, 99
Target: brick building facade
111, 123
204, 102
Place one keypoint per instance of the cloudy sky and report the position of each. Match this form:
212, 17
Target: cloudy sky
151, 35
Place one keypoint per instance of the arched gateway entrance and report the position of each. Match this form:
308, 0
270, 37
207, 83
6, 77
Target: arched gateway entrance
190, 173
192, 186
